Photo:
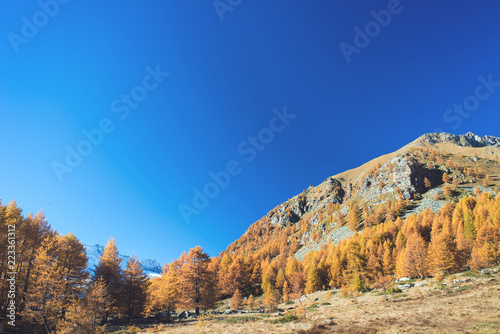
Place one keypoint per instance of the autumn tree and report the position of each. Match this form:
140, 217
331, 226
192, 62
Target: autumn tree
447, 191
353, 218
339, 219
84, 315
446, 178
280, 280
108, 269
412, 261
313, 282
251, 302
287, 292
486, 249
236, 300
271, 298
30, 232
442, 254
196, 282
45, 296
135, 285
427, 183
356, 270
164, 290
72, 262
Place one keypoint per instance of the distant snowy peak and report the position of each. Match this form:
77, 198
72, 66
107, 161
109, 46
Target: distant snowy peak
150, 267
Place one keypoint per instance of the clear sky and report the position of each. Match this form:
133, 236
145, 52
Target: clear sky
355, 84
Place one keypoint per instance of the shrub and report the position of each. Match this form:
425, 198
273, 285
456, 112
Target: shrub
240, 319
394, 290
284, 319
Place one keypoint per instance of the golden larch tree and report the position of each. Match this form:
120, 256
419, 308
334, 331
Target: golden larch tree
196, 282
135, 289
412, 261
109, 270
236, 300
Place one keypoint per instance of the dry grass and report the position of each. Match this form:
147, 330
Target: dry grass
467, 307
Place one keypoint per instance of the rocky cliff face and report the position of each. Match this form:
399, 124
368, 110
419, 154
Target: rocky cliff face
467, 140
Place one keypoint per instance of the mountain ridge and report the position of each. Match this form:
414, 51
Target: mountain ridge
400, 175
150, 266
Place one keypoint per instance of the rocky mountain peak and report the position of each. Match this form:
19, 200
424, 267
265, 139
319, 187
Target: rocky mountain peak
467, 140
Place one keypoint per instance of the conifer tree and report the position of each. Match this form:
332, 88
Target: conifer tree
313, 282
271, 298
298, 283
356, 271
412, 261
483, 256
470, 230
353, 218
287, 292
72, 261
486, 249
165, 292
135, 285
196, 283
84, 316
280, 280
236, 300
427, 184
340, 218
446, 178
108, 269
45, 296
442, 254
251, 302
336, 273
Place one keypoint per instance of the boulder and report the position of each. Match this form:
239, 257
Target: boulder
183, 315
402, 279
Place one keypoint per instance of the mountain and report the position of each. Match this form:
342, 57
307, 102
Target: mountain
150, 267
403, 182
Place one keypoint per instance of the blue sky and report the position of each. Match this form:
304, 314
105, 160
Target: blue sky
73, 71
